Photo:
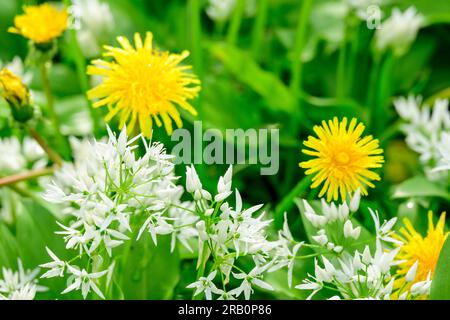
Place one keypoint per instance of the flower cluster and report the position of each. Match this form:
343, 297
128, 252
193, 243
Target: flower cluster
92, 19
399, 31
106, 194
19, 285
427, 132
17, 156
227, 235
353, 273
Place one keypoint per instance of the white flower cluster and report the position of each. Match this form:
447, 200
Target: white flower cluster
221, 10
353, 274
427, 133
19, 285
334, 222
399, 31
107, 194
17, 156
93, 19
225, 235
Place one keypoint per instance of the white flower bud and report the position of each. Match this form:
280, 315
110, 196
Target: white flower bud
354, 202
320, 239
366, 257
411, 274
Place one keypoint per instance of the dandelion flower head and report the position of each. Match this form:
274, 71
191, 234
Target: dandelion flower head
41, 23
343, 159
143, 85
423, 250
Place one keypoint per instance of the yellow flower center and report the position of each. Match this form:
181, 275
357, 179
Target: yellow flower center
342, 158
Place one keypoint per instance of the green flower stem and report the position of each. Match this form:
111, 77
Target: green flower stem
288, 201
299, 44
352, 61
296, 84
341, 68
32, 174
235, 24
201, 269
80, 64
195, 11
51, 109
259, 28
372, 89
49, 151
382, 85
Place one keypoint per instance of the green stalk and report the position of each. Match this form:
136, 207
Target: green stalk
379, 109
288, 201
49, 151
51, 109
80, 64
196, 41
296, 84
354, 44
299, 44
341, 68
235, 24
197, 57
259, 28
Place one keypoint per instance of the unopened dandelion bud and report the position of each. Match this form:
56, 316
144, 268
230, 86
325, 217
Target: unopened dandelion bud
17, 95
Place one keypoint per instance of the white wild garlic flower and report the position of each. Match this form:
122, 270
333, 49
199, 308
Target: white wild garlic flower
427, 132
399, 31
19, 285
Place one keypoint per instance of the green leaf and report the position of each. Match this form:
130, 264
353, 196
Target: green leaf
151, 272
246, 70
278, 280
419, 186
440, 287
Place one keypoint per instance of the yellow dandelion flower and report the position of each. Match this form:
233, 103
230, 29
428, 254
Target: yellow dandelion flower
416, 248
144, 85
41, 23
343, 158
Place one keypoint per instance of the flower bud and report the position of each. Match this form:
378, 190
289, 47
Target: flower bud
16, 95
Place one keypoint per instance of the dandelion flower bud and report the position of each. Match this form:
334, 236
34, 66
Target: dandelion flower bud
16, 95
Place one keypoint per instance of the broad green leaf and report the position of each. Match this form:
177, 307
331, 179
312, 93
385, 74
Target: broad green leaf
440, 287
279, 280
419, 186
151, 272
246, 70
